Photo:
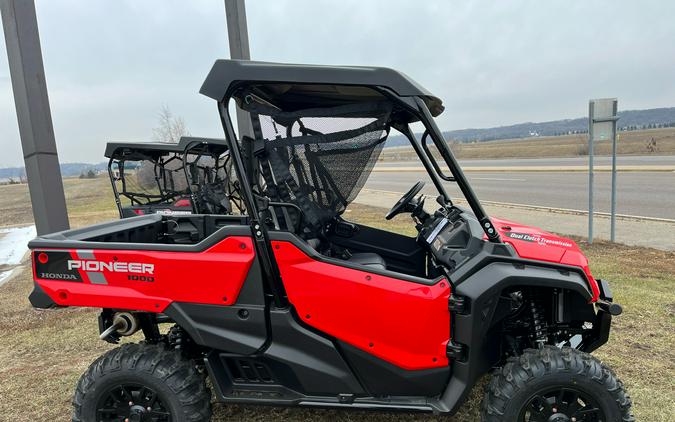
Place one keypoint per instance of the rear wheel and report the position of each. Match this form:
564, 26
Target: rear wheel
142, 383
555, 385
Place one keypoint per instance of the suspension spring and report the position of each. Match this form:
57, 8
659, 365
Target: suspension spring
538, 324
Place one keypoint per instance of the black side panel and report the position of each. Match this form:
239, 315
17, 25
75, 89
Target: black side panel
234, 329
252, 292
402, 253
381, 378
305, 361
239, 329
39, 299
472, 329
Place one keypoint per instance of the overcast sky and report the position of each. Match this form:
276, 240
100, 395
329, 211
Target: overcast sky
111, 65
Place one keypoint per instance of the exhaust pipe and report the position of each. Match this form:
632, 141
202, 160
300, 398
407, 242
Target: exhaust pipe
124, 324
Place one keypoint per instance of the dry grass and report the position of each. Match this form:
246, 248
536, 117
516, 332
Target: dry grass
629, 143
88, 201
42, 353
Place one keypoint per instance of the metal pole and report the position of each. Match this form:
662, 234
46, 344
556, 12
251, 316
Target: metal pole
237, 34
613, 208
34, 116
590, 171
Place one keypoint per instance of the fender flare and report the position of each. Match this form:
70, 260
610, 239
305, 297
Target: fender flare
481, 291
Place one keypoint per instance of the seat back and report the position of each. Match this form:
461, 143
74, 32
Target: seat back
316, 159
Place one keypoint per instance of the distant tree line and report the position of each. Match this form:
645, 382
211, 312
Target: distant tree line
646, 126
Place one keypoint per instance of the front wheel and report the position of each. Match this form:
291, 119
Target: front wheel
555, 385
142, 383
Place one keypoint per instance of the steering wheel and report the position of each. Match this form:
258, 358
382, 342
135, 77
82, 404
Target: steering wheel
401, 205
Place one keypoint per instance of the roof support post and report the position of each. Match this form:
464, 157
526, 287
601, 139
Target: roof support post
34, 116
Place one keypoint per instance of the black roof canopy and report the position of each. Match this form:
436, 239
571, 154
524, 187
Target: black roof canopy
297, 86
141, 150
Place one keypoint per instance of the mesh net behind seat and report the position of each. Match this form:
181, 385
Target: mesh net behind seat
319, 158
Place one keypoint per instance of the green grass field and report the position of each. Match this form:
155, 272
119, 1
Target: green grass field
43, 352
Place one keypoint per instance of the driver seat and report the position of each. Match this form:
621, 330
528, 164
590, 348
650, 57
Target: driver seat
369, 259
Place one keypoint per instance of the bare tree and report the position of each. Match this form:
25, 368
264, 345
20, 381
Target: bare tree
170, 128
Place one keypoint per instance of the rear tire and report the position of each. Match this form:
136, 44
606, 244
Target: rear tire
144, 382
552, 384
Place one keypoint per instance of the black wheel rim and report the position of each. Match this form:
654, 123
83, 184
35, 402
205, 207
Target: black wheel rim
562, 405
131, 403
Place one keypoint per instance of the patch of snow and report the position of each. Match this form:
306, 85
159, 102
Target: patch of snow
14, 244
5, 275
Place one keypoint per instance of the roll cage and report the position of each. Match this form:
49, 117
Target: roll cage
190, 176
301, 87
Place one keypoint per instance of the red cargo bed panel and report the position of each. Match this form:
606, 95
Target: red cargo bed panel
144, 280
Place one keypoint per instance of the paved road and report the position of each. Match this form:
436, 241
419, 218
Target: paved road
622, 160
650, 194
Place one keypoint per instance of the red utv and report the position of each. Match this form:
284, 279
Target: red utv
193, 176
291, 304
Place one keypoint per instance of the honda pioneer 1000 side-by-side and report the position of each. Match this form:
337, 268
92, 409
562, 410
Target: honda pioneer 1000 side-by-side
193, 176
289, 303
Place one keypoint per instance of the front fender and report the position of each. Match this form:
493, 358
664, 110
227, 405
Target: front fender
471, 328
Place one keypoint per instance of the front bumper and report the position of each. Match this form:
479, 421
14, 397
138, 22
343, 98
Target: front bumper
606, 309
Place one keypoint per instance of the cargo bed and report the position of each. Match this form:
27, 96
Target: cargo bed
149, 232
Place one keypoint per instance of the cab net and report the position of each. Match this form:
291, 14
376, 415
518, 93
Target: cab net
317, 159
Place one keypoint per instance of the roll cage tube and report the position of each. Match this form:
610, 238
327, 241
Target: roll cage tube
425, 147
188, 180
260, 236
407, 132
114, 188
461, 180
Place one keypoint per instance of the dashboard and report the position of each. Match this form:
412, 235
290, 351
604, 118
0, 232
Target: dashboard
452, 238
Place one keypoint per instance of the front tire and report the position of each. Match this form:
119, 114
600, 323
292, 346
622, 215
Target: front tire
144, 383
555, 385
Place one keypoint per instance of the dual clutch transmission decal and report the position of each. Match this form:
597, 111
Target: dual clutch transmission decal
537, 238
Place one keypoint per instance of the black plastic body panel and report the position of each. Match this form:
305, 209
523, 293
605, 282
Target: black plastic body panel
603, 322
481, 291
222, 327
225, 73
301, 363
39, 299
381, 378
312, 358
240, 329
140, 150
